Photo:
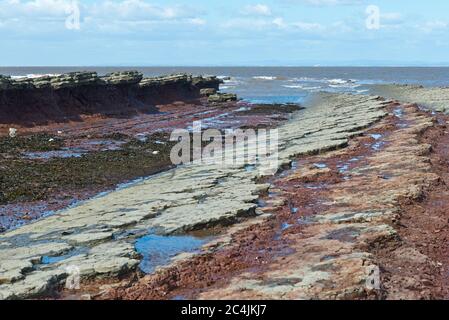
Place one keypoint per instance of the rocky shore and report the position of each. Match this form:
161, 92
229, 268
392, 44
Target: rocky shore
99, 235
436, 99
69, 97
356, 210
365, 222
63, 163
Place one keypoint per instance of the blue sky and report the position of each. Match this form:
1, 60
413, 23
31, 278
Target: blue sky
221, 33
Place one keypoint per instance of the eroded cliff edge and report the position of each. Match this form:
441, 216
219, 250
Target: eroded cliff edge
70, 96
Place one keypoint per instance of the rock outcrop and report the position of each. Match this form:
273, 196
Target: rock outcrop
26, 101
429, 97
222, 97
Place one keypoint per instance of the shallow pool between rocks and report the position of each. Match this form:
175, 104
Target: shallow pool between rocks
158, 250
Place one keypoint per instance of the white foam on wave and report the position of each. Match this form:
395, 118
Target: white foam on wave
230, 82
339, 81
34, 76
300, 86
307, 79
312, 88
265, 78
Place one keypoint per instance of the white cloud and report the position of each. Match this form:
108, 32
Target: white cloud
257, 9
391, 18
332, 2
197, 21
133, 9
307, 26
279, 22
34, 9
247, 23
47, 16
436, 25
101, 9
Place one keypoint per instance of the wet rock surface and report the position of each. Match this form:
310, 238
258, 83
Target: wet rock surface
376, 229
333, 245
110, 151
101, 232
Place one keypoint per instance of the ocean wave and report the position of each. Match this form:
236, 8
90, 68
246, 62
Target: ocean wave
312, 88
337, 82
300, 86
264, 78
33, 76
307, 79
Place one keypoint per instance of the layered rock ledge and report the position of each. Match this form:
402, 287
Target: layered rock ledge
432, 98
98, 236
368, 221
34, 101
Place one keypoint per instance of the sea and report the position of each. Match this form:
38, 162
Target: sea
278, 84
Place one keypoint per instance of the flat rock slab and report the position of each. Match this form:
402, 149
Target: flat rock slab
97, 237
433, 98
331, 253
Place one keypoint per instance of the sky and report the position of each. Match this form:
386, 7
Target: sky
224, 33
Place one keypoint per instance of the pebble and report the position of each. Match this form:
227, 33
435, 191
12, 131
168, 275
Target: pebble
12, 132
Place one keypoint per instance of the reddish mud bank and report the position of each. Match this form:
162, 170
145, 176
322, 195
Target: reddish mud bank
423, 226
382, 201
50, 167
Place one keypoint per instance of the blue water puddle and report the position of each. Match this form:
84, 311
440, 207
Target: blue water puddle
294, 210
105, 144
59, 258
343, 168
376, 136
142, 137
158, 250
45, 155
261, 203
260, 99
294, 165
285, 226
51, 260
312, 186
398, 112
273, 194
320, 165
250, 167
378, 145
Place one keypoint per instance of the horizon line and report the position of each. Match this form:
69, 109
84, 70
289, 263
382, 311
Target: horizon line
228, 66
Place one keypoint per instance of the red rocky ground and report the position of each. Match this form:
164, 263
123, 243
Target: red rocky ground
331, 224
